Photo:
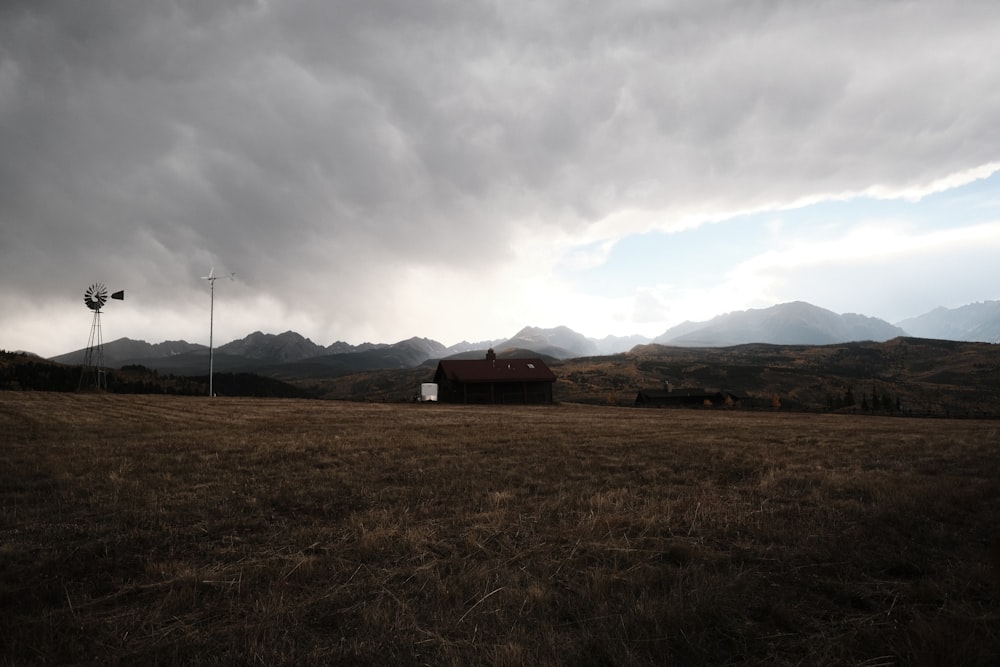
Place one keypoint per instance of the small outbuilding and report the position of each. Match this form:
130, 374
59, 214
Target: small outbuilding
493, 380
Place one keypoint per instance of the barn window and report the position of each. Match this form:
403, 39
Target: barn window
531, 365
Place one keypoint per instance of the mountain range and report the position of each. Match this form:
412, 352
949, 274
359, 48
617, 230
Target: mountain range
290, 354
976, 322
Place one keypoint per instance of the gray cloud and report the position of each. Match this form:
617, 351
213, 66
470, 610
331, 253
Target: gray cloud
310, 143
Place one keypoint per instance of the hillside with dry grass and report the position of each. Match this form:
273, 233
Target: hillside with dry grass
183, 530
903, 376
908, 376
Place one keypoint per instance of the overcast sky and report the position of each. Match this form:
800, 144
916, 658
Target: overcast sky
373, 171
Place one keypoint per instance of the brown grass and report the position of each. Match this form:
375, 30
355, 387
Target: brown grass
163, 530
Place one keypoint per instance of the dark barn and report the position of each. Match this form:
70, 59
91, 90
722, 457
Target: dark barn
493, 380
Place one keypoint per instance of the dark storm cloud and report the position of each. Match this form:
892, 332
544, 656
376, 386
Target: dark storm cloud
306, 143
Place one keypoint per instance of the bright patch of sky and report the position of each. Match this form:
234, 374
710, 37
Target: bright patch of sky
708, 256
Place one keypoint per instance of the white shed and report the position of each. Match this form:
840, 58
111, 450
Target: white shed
428, 392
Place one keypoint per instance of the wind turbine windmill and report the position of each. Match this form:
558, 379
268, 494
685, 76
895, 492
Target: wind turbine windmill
211, 278
95, 297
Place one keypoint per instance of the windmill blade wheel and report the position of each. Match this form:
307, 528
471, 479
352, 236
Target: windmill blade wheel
96, 296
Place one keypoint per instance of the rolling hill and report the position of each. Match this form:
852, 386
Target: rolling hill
911, 376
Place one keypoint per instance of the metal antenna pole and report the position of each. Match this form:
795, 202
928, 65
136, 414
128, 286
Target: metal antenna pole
211, 327
211, 278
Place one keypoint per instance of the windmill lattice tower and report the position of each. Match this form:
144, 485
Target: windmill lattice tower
93, 375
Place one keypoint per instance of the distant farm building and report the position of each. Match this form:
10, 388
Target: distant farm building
666, 398
492, 380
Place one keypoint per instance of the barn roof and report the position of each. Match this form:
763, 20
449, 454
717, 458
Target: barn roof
494, 370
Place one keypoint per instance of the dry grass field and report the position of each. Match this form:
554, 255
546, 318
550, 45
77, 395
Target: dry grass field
170, 530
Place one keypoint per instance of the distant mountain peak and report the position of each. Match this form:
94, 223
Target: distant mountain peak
560, 342
284, 347
791, 323
126, 350
974, 322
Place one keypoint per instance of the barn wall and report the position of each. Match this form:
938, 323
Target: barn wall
514, 393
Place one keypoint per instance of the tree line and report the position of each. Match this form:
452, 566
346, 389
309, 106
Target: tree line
24, 372
869, 401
